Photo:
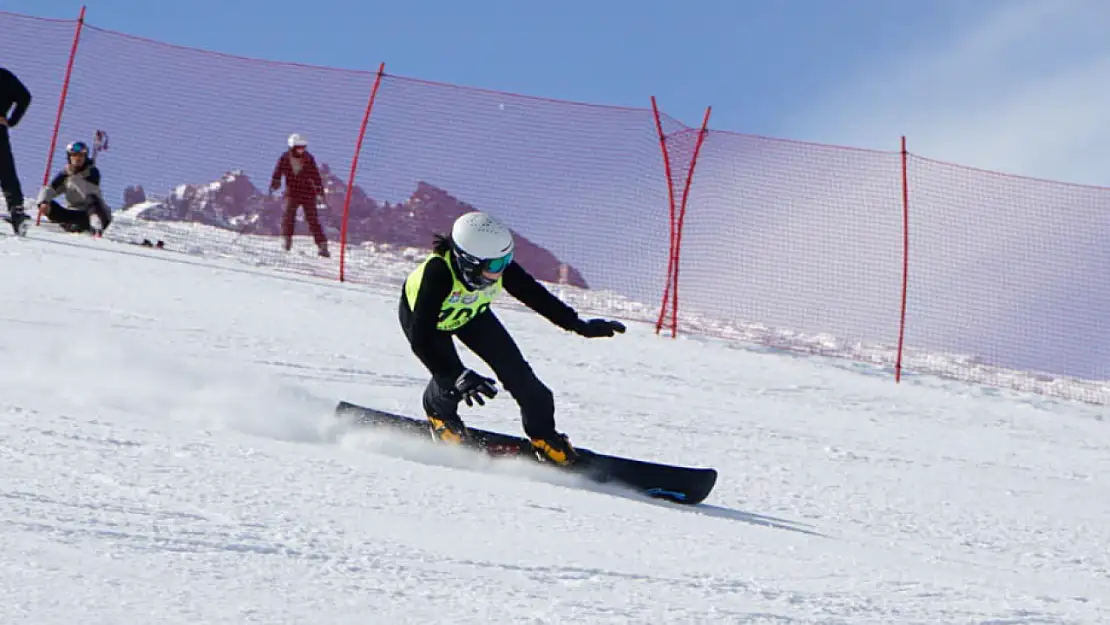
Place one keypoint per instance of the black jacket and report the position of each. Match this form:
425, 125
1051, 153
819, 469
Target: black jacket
13, 92
436, 287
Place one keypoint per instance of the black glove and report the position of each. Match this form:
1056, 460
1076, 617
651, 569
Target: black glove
596, 328
472, 386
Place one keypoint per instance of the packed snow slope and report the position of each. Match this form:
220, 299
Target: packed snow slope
169, 455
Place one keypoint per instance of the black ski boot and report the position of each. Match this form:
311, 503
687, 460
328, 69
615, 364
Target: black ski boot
20, 222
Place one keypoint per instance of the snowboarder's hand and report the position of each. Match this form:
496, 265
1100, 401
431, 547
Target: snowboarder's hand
472, 386
598, 328
3, 120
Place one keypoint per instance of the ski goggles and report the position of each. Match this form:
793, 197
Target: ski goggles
497, 265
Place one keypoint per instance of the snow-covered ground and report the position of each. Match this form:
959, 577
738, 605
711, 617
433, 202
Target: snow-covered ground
169, 455
385, 266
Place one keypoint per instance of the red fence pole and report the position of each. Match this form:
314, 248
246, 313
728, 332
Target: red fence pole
682, 216
671, 215
905, 261
354, 168
61, 104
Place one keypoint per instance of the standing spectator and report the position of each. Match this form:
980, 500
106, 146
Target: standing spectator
303, 188
79, 183
12, 93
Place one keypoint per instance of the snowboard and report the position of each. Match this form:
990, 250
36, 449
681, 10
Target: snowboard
679, 484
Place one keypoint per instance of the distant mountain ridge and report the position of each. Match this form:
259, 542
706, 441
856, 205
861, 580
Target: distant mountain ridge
233, 202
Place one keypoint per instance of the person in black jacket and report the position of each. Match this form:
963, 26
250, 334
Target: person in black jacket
14, 100
450, 294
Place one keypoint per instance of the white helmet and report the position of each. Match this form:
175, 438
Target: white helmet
296, 140
479, 245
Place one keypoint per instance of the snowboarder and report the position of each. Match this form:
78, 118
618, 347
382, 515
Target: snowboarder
13, 93
450, 293
303, 188
79, 183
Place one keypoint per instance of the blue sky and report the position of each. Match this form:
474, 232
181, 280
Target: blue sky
1015, 85
1018, 86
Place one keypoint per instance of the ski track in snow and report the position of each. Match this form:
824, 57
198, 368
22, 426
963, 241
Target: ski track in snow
169, 455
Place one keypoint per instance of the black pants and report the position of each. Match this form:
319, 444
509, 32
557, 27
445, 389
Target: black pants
487, 338
77, 219
9, 179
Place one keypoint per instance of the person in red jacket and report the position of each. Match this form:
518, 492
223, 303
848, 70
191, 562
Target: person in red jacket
303, 188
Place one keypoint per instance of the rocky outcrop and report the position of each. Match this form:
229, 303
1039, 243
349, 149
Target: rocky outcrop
233, 202
133, 195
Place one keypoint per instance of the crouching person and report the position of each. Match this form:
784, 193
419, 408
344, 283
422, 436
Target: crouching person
79, 183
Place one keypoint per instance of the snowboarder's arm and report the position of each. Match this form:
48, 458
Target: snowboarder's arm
521, 285
279, 169
13, 88
444, 364
54, 189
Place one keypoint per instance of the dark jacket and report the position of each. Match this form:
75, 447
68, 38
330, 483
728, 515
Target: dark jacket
13, 93
80, 188
302, 177
436, 287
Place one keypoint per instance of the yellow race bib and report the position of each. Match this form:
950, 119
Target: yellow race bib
461, 305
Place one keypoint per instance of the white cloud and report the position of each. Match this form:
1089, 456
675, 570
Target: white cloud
1022, 89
